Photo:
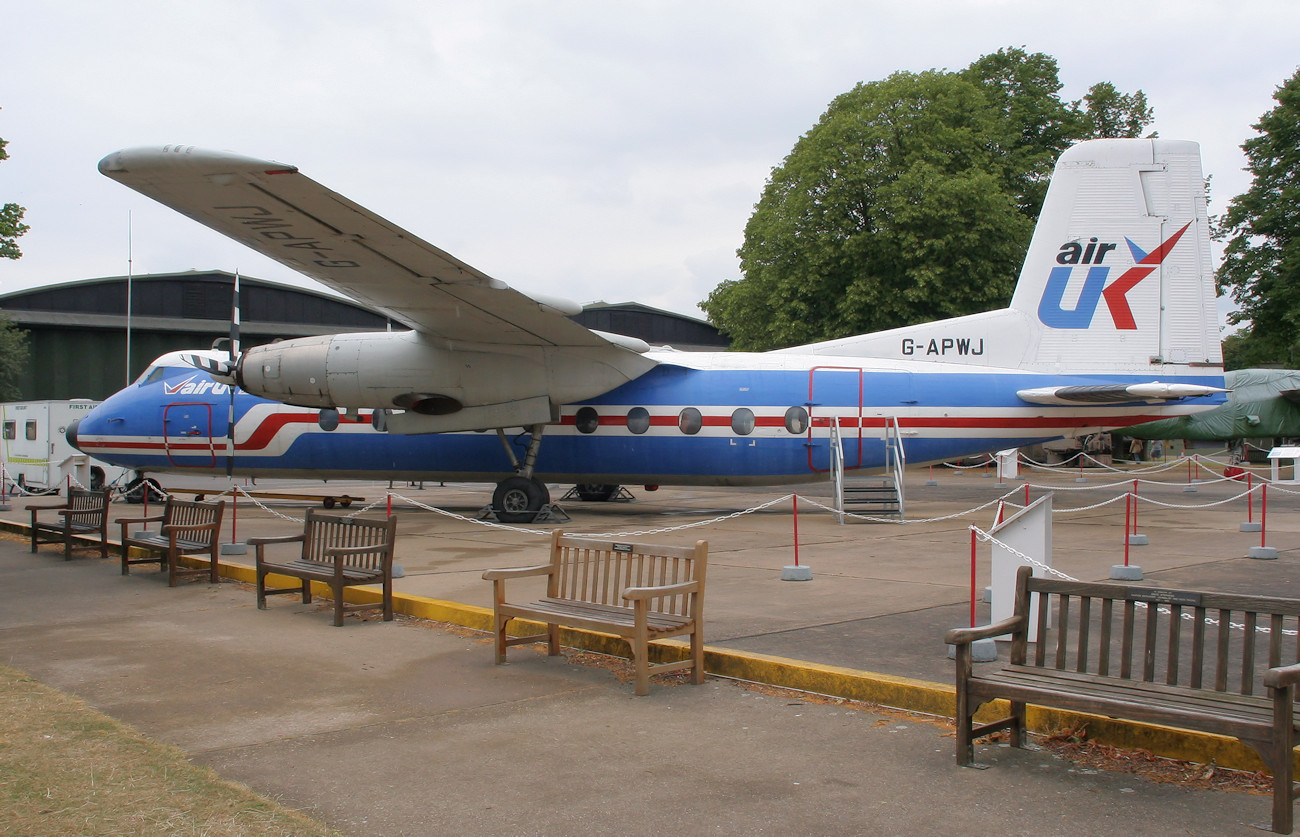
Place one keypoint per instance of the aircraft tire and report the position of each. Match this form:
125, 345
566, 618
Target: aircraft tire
135, 490
518, 499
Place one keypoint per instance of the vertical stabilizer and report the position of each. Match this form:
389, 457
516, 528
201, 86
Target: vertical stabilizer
1117, 279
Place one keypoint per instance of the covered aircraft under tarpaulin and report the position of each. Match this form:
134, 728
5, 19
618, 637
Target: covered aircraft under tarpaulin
1262, 403
1113, 323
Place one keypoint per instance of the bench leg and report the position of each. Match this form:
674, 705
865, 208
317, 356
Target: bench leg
1017, 730
388, 598
306, 591
697, 656
172, 578
338, 605
261, 588
501, 622
67, 544
553, 639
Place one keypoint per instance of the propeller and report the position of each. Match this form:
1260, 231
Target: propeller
232, 364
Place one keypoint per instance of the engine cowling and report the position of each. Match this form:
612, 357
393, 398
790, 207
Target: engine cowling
439, 388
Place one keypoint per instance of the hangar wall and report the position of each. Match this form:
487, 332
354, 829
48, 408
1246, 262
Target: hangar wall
77, 330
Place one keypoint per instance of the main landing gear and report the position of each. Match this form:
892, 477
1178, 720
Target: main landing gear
519, 499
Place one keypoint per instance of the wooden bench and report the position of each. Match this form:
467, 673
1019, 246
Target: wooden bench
338, 551
184, 528
84, 516
636, 591
1202, 661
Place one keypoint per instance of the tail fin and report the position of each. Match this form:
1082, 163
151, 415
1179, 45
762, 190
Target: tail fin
1117, 279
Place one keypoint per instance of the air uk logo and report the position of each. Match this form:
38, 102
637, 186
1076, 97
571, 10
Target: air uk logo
1095, 288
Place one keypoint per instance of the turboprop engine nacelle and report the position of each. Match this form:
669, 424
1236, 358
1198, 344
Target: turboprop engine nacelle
439, 389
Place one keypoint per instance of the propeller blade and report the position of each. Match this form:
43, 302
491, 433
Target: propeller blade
220, 370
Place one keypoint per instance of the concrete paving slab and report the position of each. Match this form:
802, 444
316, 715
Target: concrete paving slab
400, 728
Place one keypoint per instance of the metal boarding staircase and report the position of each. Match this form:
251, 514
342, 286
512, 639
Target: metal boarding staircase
875, 496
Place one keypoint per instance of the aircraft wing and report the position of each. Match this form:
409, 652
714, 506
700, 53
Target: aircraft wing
279, 212
1116, 393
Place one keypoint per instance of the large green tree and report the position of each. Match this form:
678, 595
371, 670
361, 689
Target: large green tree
13, 342
1261, 264
11, 221
912, 198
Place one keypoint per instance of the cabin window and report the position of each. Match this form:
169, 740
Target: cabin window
689, 421
742, 421
638, 420
796, 420
31, 431
11, 430
587, 420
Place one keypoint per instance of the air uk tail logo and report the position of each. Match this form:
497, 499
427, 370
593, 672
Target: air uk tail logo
1095, 288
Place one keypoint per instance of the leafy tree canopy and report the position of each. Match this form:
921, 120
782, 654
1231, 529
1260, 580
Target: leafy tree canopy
11, 221
1261, 265
13, 358
912, 198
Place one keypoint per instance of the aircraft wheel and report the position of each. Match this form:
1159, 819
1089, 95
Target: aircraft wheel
596, 493
328, 502
518, 499
97, 477
136, 489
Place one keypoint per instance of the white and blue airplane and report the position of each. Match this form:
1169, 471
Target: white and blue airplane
1113, 323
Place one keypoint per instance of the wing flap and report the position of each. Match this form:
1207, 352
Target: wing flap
274, 209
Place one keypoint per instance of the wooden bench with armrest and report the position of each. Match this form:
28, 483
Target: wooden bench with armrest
636, 591
335, 550
1189, 659
185, 528
83, 517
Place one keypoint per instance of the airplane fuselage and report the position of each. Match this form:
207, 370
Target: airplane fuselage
695, 419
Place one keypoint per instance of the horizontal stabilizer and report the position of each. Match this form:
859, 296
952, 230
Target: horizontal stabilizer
1116, 393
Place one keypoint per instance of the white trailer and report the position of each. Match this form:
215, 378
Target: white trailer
35, 455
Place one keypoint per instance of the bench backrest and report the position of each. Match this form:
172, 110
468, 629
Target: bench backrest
327, 530
177, 512
598, 571
81, 499
1201, 639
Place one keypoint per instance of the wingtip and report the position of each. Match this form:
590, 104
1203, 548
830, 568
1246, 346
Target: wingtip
152, 158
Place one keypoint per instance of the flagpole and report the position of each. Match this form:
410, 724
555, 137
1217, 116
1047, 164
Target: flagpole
128, 297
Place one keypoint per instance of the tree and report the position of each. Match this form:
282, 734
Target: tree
13, 342
1261, 261
912, 198
13, 358
11, 221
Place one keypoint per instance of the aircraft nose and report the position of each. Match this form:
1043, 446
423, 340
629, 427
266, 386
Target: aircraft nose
71, 434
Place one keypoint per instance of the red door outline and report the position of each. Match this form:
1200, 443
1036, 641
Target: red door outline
850, 427
187, 433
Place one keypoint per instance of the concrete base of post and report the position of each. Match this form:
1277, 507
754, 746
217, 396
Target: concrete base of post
981, 651
791, 572
234, 549
988, 594
1264, 553
1080, 479
931, 482
399, 571
1189, 489
1123, 572
4, 507
1252, 526
1138, 540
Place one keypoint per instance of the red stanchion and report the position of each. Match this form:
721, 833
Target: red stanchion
1128, 505
1135, 507
234, 514
1250, 497
794, 501
1263, 516
1026, 494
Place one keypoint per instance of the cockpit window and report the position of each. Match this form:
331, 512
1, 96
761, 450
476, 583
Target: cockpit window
154, 373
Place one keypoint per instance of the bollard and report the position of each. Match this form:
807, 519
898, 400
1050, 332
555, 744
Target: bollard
234, 547
1126, 571
796, 572
1134, 539
1263, 551
1251, 525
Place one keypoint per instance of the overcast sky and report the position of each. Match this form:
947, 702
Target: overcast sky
589, 149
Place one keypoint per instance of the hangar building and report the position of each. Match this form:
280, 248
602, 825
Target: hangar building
78, 330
